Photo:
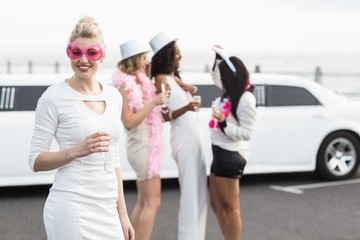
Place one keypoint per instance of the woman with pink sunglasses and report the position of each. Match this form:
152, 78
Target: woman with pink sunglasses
86, 200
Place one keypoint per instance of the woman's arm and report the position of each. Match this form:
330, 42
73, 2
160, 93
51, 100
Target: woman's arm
128, 230
246, 114
173, 114
132, 119
45, 160
215, 73
46, 124
188, 87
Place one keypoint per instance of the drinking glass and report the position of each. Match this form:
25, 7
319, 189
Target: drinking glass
215, 107
197, 99
164, 88
105, 154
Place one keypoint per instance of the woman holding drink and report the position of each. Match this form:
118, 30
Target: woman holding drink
86, 200
231, 126
142, 119
186, 144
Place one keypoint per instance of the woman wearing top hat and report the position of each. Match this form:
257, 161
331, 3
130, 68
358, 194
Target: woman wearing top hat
142, 119
186, 144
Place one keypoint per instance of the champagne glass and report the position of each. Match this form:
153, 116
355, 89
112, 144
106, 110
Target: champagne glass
164, 88
215, 109
197, 99
105, 154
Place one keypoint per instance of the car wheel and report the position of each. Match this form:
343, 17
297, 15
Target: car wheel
338, 156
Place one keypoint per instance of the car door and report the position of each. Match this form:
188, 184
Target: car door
286, 128
17, 113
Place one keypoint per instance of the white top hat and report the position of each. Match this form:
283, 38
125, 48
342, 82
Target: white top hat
159, 41
131, 48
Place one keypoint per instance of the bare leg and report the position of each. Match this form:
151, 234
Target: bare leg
146, 208
224, 193
215, 203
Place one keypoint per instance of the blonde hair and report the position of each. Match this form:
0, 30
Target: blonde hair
87, 27
132, 64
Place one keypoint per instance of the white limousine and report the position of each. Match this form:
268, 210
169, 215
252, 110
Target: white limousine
301, 126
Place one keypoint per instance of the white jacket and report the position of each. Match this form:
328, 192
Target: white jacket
236, 133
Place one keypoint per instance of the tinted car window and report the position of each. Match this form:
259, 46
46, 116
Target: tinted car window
289, 96
24, 98
259, 92
208, 93
20, 98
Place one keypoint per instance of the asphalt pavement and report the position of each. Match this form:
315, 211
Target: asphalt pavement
297, 206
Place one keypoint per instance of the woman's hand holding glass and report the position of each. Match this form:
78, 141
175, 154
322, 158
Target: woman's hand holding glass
215, 106
196, 101
165, 92
102, 140
218, 115
104, 144
215, 109
195, 104
161, 99
94, 143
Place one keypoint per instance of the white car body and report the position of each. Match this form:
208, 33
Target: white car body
285, 139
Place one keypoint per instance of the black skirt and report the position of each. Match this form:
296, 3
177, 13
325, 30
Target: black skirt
229, 164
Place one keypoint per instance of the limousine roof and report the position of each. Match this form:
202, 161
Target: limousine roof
203, 78
198, 78
39, 79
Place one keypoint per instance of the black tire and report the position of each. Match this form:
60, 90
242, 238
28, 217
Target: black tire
338, 156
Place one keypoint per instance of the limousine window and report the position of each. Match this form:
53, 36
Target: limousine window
20, 98
289, 96
208, 93
259, 92
24, 98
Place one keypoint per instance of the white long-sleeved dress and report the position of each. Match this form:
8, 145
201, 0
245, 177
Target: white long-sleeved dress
82, 200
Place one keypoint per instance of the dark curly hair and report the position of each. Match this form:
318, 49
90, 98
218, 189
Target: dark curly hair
234, 83
161, 62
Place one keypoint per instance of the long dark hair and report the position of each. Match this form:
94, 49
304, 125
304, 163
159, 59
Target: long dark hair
234, 83
161, 62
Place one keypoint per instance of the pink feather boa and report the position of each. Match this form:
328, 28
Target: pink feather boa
225, 105
154, 119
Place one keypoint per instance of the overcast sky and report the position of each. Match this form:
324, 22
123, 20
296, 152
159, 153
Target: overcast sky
244, 26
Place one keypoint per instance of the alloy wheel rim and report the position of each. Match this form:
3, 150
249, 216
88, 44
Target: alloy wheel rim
340, 156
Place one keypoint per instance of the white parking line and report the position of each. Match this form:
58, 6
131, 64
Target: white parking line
298, 189
287, 189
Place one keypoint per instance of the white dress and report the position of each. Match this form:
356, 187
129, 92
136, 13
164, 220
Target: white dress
82, 200
188, 152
